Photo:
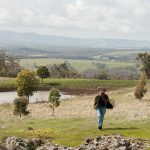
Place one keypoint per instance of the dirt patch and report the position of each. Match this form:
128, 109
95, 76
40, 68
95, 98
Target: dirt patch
72, 91
7, 89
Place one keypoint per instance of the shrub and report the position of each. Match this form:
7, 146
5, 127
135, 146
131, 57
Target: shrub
54, 97
27, 83
140, 87
43, 72
20, 106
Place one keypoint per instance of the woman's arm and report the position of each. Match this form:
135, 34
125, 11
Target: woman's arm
96, 102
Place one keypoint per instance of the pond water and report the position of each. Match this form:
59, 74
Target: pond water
8, 97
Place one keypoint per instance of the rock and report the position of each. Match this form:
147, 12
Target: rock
17, 143
111, 142
3, 147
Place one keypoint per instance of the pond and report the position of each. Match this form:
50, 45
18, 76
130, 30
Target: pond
8, 97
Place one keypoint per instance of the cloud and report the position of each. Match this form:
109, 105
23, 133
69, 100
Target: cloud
115, 16
124, 16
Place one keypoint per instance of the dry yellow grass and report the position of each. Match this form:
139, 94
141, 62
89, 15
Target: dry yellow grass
127, 107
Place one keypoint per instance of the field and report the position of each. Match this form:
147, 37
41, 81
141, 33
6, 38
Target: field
72, 84
6, 83
90, 83
75, 119
80, 65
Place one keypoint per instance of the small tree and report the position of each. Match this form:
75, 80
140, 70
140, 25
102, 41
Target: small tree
54, 97
27, 83
43, 72
20, 106
145, 74
140, 87
145, 60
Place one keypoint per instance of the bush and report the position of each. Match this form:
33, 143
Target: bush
140, 87
27, 83
20, 106
43, 72
54, 97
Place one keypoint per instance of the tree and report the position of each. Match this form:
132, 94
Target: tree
20, 106
140, 87
54, 97
9, 65
27, 83
2, 60
145, 74
43, 72
145, 60
63, 70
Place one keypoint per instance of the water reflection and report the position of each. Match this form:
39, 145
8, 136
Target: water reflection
8, 97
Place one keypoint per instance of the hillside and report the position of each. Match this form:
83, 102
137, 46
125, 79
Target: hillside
28, 39
36, 45
75, 119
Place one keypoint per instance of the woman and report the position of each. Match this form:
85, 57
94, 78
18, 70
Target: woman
100, 105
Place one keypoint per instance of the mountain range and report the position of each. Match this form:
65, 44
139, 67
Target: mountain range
18, 40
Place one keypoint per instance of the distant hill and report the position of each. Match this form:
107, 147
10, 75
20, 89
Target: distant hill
32, 45
9, 38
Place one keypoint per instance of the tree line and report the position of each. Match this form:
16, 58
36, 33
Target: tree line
9, 65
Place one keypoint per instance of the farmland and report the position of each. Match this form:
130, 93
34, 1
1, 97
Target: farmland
80, 65
72, 84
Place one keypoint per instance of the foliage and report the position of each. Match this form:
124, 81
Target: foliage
122, 73
64, 70
20, 106
43, 72
54, 97
27, 83
140, 87
145, 74
145, 60
9, 65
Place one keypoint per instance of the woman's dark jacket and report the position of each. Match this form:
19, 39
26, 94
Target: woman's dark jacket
101, 101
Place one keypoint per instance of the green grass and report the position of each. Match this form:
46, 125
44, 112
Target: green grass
72, 132
80, 65
7, 83
74, 83
89, 83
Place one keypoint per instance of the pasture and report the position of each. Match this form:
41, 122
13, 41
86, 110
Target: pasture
74, 84
75, 119
79, 65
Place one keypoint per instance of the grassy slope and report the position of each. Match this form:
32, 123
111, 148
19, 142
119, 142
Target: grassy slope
74, 83
76, 120
90, 83
73, 131
7, 83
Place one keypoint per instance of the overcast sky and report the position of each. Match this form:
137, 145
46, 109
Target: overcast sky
128, 19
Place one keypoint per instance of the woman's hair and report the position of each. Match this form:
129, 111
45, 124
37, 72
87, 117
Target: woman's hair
101, 89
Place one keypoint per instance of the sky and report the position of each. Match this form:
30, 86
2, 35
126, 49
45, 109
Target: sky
126, 19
